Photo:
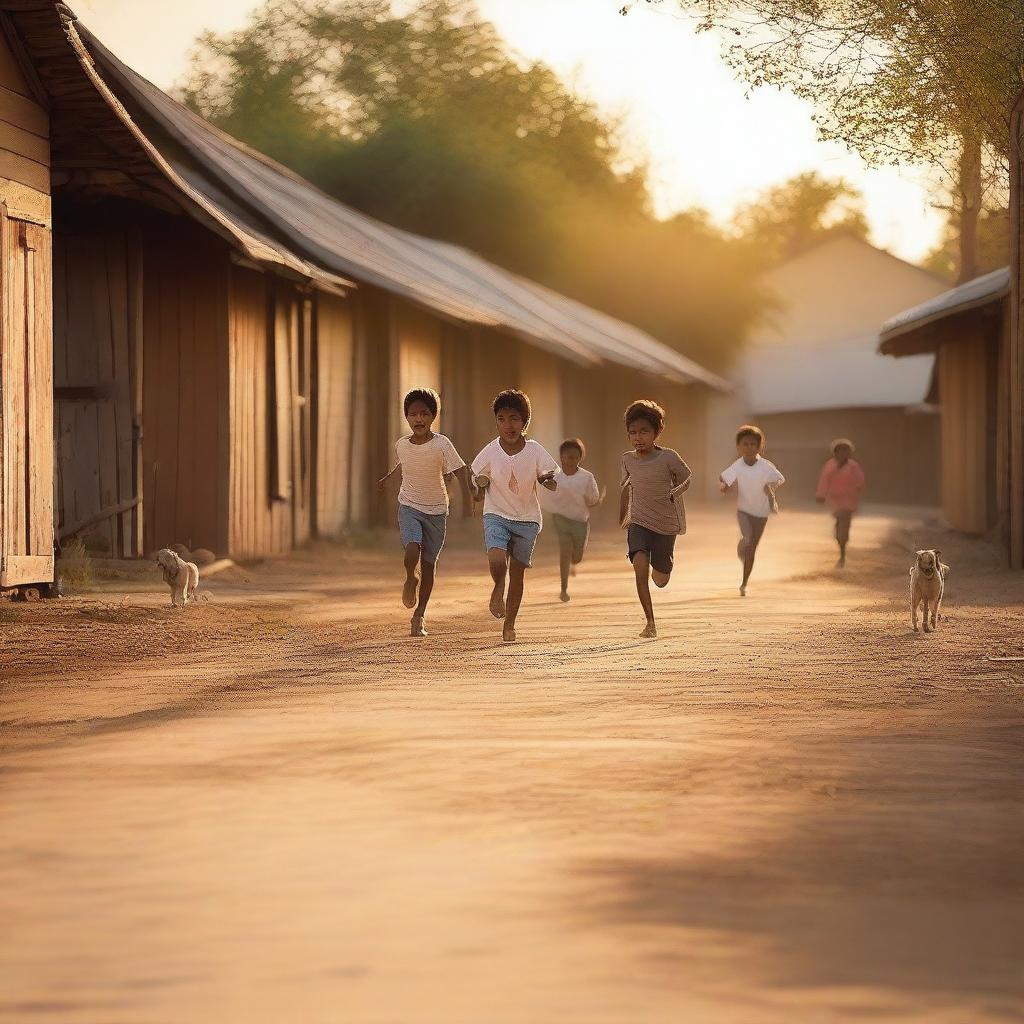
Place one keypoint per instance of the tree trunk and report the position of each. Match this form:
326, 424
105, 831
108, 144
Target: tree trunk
969, 187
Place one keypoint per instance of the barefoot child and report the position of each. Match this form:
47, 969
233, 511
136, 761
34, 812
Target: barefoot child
840, 484
508, 472
755, 480
427, 460
570, 507
653, 481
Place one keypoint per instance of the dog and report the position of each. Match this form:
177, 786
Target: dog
181, 576
927, 587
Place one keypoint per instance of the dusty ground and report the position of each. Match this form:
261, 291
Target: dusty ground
276, 807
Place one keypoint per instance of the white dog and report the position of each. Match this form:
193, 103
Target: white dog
927, 586
181, 576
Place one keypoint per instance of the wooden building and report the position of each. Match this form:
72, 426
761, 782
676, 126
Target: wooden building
967, 329
228, 346
812, 372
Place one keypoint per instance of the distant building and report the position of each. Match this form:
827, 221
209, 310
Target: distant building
813, 372
966, 329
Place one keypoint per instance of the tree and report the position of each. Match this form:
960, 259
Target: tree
895, 80
427, 121
789, 218
993, 245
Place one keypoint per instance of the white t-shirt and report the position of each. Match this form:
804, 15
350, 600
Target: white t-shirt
750, 482
513, 490
423, 470
574, 496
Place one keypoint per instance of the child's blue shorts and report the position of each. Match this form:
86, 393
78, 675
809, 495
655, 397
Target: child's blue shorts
500, 532
416, 527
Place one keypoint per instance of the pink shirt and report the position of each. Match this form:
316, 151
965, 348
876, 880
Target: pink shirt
840, 486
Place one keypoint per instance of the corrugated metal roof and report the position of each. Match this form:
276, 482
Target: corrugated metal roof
973, 294
336, 240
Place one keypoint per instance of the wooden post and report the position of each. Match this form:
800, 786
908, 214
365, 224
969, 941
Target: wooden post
1016, 340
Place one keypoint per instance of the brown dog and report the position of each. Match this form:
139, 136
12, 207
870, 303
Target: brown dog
927, 586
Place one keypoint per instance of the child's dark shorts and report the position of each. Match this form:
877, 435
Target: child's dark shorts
658, 546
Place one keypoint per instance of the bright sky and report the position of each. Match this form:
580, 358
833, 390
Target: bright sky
708, 144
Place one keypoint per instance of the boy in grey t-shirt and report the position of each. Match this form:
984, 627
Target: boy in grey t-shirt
653, 481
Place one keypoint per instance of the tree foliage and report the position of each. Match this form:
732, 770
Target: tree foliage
428, 121
789, 218
993, 245
894, 80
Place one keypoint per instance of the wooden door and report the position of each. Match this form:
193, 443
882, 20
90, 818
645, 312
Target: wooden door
97, 377
26, 403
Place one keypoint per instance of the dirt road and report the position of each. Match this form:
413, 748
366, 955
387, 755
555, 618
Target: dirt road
277, 807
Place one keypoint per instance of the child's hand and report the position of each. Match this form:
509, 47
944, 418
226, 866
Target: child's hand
820, 501
723, 486
548, 480
382, 483
602, 495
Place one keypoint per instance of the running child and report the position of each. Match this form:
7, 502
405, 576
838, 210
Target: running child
507, 474
427, 460
570, 507
651, 504
840, 484
754, 479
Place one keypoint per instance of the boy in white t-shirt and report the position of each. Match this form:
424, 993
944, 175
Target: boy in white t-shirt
570, 507
427, 461
507, 474
754, 479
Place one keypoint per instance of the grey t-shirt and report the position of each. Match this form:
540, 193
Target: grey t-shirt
650, 480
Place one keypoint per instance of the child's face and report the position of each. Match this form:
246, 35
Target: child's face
642, 436
843, 453
749, 448
420, 417
510, 425
570, 459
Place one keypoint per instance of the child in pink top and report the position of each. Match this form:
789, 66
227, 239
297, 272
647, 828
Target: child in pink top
840, 484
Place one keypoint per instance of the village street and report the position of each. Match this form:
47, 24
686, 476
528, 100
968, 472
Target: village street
277, 806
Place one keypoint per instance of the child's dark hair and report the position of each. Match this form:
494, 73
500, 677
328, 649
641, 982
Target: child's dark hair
573, 442
428, 396
749, 430
516, 400
645, 409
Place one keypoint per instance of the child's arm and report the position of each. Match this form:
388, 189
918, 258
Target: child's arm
594, 496
466, 486
624, 502
382, 482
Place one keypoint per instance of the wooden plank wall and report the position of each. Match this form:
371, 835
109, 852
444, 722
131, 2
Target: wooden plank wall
26, 404
94, 379
963, 387
260, 522
335, 350
1015, 350
24, 122
185, 326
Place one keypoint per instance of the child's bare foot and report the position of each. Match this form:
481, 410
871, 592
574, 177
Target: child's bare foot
563, 596
416, 626
743, 590
650, 631
497, 604
409, 591
572, 570
508, 635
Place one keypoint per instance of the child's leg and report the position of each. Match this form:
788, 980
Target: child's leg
516, 575
426, 586
752, 535
843, 533
565, 559
412, 560
497, 562
641, 569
